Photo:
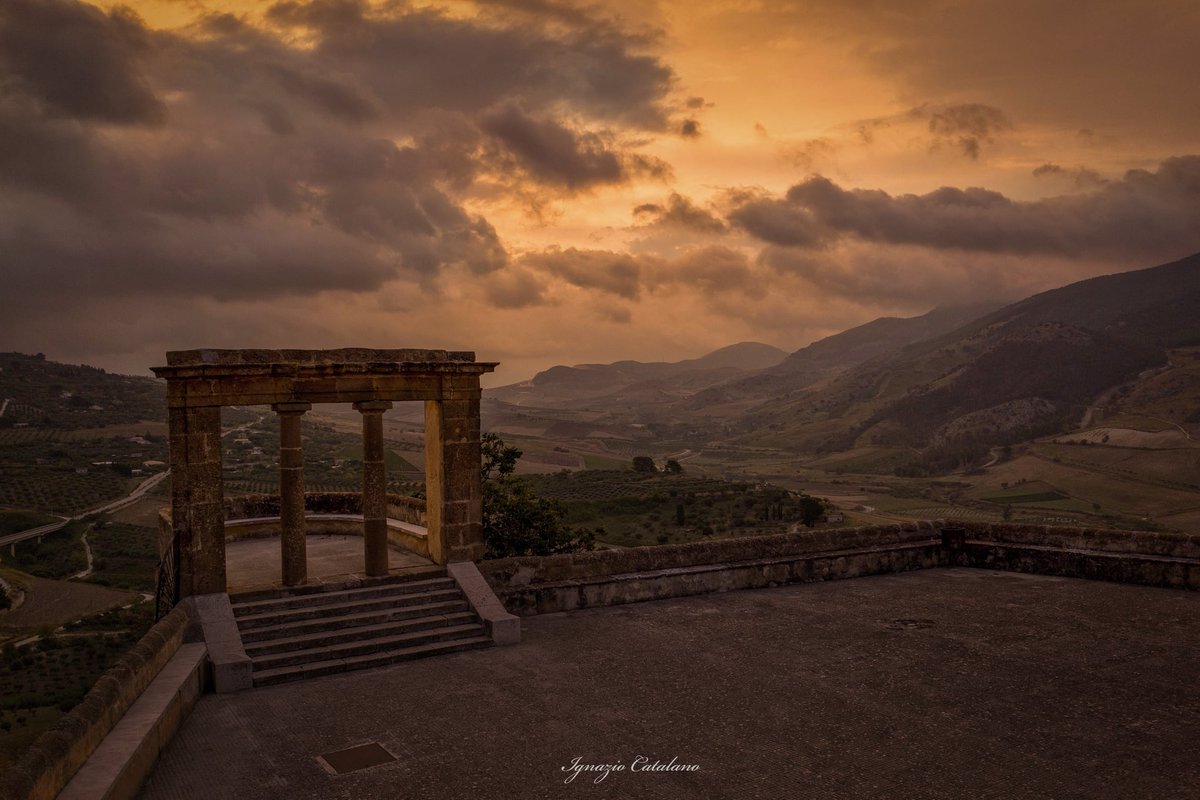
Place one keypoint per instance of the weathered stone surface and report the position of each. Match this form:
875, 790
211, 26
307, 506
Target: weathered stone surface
199, 382
345, 355
49, 763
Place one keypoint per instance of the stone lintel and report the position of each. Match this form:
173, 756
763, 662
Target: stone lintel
368, 406
268, 390
344, 355
291, 407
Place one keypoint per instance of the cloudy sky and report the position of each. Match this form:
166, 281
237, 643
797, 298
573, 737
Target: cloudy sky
546, 182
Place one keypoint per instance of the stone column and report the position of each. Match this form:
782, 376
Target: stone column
293, 555
374, 498
197, 498
453, 495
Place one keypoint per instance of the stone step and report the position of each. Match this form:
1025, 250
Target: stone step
318, 624
256, 607
331, 610
343, 633
409, 574
315, 669
366, 646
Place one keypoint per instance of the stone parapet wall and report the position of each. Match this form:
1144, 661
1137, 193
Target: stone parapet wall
55, 756
536, 585
533, 585
1151, 543
1169, 560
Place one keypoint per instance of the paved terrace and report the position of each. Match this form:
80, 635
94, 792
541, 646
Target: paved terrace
948, 683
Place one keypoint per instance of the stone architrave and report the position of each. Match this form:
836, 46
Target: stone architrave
374, 495
200, 382
293, 551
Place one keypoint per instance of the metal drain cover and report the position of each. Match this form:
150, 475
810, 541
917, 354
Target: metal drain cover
353, 759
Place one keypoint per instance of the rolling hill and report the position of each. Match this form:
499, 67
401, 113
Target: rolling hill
1028, 369
637, 382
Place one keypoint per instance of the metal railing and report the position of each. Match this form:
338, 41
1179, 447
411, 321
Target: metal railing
166, 587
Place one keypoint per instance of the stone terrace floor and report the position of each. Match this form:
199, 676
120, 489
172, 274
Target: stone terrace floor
945, 683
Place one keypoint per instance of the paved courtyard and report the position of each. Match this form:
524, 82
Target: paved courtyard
946, 683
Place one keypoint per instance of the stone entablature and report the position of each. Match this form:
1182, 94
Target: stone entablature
199, 382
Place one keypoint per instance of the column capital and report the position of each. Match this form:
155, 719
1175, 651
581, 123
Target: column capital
368, 406
291, 407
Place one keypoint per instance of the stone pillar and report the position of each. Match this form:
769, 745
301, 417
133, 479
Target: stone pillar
197, 498
453, 495
293, 555
374, 498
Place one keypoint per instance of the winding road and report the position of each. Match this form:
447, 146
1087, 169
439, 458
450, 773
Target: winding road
137, 494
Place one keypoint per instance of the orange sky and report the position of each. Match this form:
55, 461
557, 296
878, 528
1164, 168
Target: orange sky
553, 183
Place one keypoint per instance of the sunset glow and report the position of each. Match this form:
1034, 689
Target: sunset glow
546, 182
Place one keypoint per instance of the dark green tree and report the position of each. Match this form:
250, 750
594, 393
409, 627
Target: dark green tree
515, 521
811, 510
673, 466
644, 464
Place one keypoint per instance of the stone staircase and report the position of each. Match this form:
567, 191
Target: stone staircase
315, 631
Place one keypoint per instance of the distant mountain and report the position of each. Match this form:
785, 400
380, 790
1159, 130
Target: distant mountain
829, 356
624, 382
1024, 370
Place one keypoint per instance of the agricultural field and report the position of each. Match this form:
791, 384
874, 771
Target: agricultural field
332, 460
48, 677
124, 556
64, 472
1098, 497
636, 509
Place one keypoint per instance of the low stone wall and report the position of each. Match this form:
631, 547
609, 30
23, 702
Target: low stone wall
532, 585
538, 585
249, 506
55, 756
401, 507
1169, 560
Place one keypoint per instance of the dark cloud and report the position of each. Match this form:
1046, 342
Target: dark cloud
680, 212
551, 153
696, 102
426, 59
690, 129
1080, 177
76, 61
913, 278
778, 221
515, 288
969, 126
717, 270
334, 149
616, 273
1143, 216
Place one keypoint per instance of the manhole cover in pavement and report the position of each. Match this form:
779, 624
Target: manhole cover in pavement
907, 624
351, 759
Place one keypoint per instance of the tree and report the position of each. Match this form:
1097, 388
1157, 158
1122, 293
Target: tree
673, 466
516, 522
644, 464
811, 510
